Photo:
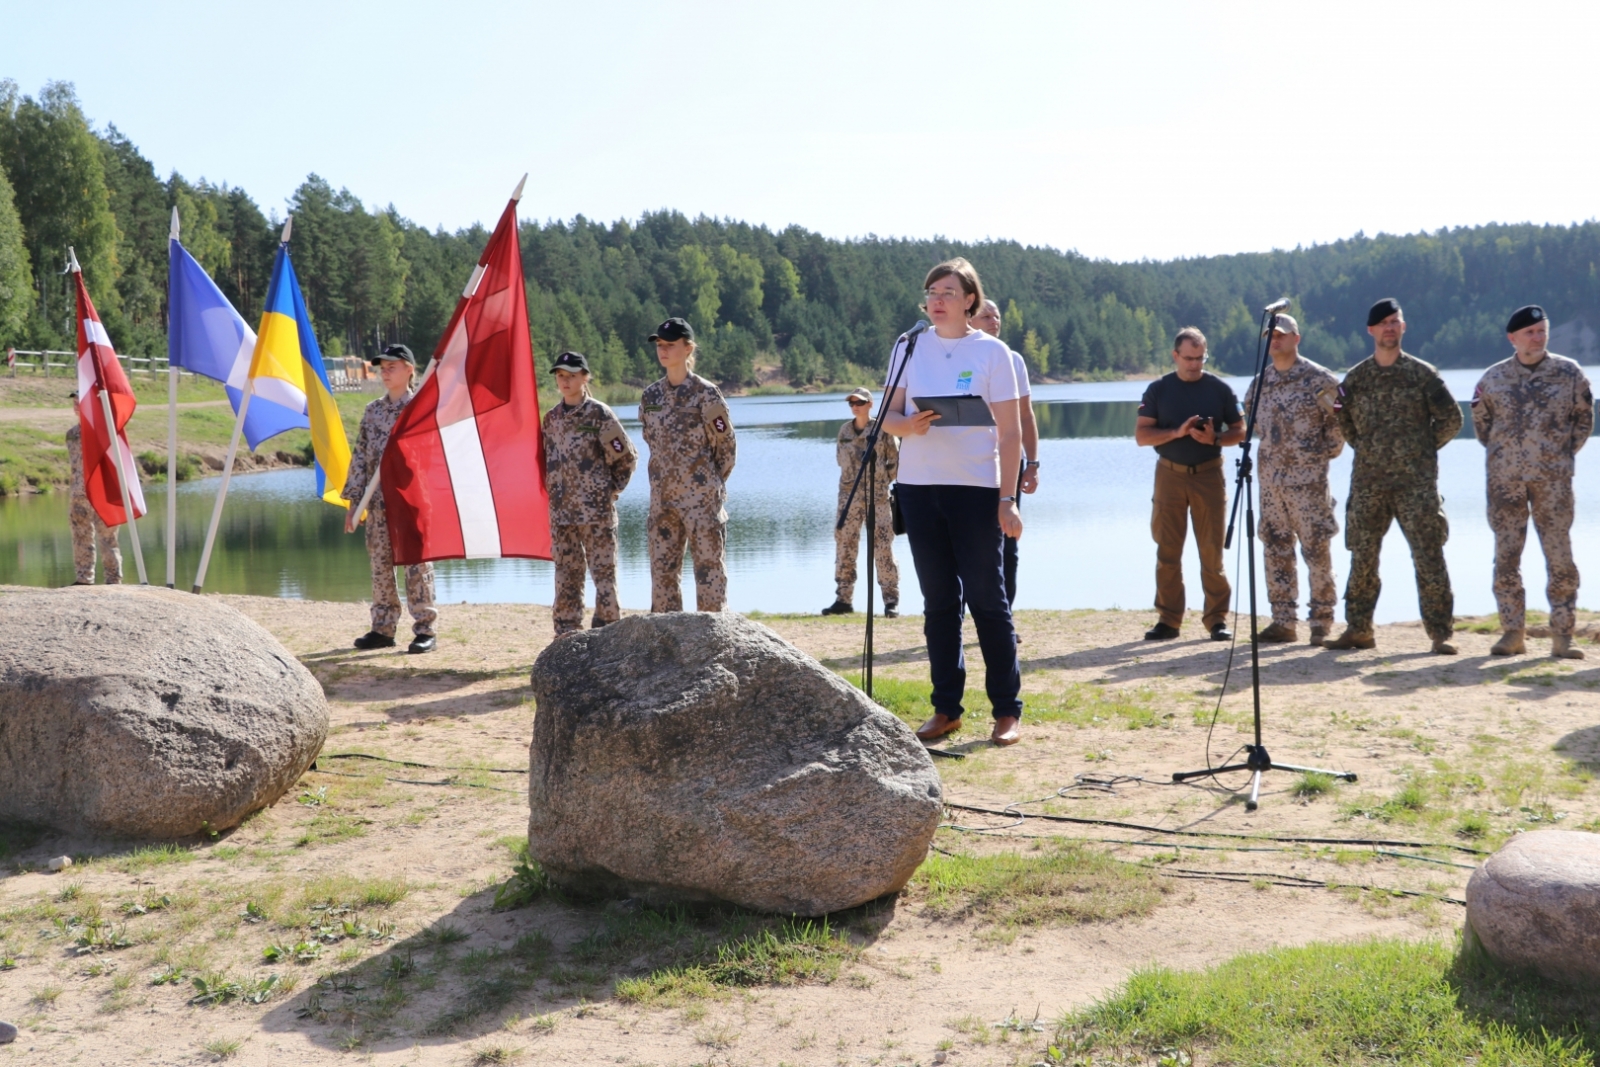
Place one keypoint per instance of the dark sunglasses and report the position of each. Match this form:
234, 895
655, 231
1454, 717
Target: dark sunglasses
860, 403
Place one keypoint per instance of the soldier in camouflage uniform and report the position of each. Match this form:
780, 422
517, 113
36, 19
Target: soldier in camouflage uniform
1299, 433
692, 452
588, 461
849, 450
87, 528
1396, 412
397, 367
1533, 412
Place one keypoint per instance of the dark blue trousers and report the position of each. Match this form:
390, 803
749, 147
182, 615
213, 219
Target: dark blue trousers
955, 543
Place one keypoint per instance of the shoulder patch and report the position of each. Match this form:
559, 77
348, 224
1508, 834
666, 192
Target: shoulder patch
614, 442
715, 414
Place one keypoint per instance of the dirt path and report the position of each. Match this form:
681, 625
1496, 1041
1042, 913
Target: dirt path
46, 418
1454, 754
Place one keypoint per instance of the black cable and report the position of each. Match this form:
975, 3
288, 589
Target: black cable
419, 781
409, 763
1209, 833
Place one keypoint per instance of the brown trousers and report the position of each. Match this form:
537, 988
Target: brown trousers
1178, 495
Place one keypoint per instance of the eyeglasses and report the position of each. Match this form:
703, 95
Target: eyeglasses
941, 295
859, 404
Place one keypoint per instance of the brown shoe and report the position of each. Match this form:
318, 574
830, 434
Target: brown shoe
1351, 638
1561, 647
1007, 730
938, 726
1511, 643
1278, 634
1319, 634
1442, 647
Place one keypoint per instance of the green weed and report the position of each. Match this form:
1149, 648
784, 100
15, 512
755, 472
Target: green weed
1067, 884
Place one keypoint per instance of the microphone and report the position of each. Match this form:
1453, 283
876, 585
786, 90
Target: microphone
1276, 305
922, 324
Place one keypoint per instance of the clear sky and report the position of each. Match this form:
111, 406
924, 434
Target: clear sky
1125, 130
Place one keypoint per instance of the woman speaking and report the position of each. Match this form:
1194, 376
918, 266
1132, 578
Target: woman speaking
958, 493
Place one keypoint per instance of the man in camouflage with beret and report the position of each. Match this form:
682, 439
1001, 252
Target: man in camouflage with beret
692, 451
1532, 413
850, 449
1297, 424
588, 462
396, 368
1396, 413
88, 530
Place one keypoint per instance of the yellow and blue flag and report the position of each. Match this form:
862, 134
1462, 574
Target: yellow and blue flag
286, 368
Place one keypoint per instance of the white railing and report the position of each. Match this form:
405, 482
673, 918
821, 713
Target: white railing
346, 374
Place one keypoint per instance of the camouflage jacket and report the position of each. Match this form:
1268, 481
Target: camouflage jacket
75, 459
588, 460
852, 445
692, 448
1396, 418
1533, 419
1297, 424
376, 422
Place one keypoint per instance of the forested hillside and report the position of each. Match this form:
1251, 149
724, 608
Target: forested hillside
825, 309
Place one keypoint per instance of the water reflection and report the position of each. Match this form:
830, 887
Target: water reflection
1087, 542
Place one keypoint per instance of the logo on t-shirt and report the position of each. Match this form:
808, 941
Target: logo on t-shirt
964, 381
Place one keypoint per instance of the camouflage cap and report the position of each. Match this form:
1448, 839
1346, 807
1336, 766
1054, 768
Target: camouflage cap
860, 394
1285, 324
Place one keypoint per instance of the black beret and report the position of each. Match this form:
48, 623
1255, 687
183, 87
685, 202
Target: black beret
1382, 310
572, 361
673, 330
1524, 317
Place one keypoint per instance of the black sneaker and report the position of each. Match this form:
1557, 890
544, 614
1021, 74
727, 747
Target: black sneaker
1161, 632
1220, 632
421, 643
891, 611
373, 639
839, 607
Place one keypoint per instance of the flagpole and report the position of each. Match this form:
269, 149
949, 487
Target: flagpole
222, 490
172, 440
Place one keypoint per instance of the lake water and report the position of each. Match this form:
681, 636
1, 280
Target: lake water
1086, 545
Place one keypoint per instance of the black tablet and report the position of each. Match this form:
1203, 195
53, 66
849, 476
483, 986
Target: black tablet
962, 409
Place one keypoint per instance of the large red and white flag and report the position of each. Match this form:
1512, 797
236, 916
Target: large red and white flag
99, 371
463, 473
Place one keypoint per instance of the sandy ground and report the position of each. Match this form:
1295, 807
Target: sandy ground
1453, 755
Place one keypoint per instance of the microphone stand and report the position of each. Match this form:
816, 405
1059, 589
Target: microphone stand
869, 467
1257, 761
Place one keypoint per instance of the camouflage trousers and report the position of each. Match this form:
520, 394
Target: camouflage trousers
1420, 511
385, 597
706, 534
88, 532
1550, 505
847, 546
1304, 513
576, 547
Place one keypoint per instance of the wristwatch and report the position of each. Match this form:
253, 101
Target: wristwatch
1031, 463
1006, 498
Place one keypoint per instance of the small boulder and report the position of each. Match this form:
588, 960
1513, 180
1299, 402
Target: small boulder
136, 712
701, 757
1535, 904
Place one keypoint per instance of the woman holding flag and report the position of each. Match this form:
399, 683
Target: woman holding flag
396, 366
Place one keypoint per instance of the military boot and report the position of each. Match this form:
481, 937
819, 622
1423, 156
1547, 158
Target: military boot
1510, 644
1442, 647
1278, 634
1351, 638
839, 607
1319, 634
1561, 647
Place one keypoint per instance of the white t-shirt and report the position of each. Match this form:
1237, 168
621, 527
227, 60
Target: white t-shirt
976, 365
1019, 367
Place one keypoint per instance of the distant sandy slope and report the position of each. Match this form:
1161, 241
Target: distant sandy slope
1394, 715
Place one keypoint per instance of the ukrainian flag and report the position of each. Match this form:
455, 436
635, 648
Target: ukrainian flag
286, 368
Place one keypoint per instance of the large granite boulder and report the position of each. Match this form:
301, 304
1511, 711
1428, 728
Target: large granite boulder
701, 757
1535, 904
140, 712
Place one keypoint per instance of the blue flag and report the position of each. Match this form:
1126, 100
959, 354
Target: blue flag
206, 336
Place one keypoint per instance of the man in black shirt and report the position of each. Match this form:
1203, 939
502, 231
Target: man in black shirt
1189, 416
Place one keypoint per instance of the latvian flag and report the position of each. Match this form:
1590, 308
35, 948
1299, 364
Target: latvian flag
463, 473
99, 370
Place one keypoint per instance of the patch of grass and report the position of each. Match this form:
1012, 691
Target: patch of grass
342, 890
912, 701
1377, 1002
1066, 884
794, 953
490, 1055
148, 856
1473, 825
1090, 704
528, 882
224, 1047
1311, 784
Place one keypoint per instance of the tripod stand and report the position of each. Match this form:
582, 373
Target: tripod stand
1257, 761
869, 468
